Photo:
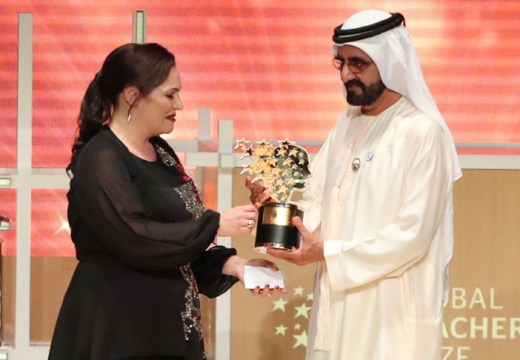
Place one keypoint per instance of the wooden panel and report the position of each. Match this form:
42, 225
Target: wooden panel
50, 277
8, 291
482, 318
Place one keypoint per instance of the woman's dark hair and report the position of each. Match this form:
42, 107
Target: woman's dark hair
144, 66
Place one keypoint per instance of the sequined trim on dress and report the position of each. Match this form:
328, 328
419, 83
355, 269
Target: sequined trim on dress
191, 316
166, 158
188, 192
193, 205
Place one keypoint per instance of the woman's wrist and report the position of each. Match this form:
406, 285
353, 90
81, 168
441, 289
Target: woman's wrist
233, 266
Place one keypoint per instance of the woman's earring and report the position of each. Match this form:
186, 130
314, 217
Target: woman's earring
130, 106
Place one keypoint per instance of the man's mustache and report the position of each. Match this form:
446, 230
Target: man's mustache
354, 82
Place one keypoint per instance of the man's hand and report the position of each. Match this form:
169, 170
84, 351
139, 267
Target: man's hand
311, 249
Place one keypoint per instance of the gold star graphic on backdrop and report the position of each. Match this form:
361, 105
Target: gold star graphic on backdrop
302, 310
298, 291
301, 339
64, 225
280, 330
297, 327
280, 304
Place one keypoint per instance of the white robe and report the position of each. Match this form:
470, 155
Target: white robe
388, 237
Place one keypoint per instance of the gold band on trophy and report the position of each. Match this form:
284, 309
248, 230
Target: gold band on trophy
278, 215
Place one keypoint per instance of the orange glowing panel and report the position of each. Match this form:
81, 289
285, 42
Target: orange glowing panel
263, 64
8, 209
50, 232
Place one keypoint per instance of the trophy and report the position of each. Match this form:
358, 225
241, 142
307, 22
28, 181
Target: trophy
283, 170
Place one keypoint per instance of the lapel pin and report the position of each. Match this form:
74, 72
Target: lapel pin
356, 163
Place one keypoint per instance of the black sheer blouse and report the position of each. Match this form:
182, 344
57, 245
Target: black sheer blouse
141, 232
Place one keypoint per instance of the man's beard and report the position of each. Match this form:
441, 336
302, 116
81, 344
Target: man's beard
369, 94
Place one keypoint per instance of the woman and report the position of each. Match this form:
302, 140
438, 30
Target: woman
143, 238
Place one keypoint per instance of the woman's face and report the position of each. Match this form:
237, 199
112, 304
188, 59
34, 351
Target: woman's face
158, 109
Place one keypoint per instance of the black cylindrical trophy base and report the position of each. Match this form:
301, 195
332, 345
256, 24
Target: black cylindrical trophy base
275, 228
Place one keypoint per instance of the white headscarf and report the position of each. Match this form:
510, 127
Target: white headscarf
394, 55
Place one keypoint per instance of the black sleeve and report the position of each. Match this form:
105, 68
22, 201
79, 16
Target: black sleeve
208, 271
105, 198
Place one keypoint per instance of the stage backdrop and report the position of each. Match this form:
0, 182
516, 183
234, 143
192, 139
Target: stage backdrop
266, 66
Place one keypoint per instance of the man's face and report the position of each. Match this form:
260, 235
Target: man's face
360, 76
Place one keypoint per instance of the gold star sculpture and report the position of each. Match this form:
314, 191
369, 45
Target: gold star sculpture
281, 168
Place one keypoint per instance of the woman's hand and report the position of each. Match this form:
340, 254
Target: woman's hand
258, 195
237, 220
266, 290
235, 266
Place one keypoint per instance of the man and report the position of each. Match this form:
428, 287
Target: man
378, 214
